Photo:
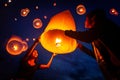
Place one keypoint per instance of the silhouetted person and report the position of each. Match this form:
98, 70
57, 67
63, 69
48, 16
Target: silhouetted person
104, 35
28, 65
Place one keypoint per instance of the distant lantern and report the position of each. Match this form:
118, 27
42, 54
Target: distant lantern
27, 39
45, 17
24, 12
53, 38
113, 11
54, 4
36, 7
15, 19
16, 46
37, 23
5, 4
80, 9
25, 46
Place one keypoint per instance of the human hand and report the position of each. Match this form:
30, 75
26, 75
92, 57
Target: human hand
68, 32
79, 45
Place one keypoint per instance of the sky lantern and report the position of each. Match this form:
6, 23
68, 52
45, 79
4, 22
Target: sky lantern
80, 9
53, 38
24, 12
37, 23
113, 11
16, 46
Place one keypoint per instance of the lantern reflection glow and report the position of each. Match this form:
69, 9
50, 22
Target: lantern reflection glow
113, 11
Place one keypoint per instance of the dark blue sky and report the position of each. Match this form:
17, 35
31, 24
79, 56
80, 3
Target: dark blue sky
73, 66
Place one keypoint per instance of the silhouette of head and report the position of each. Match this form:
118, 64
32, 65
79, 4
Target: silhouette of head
95, 16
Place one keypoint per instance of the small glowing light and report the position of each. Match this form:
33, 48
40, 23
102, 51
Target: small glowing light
58, 41
24, 12
80, 9
36, 7
34, 39
37, 23
15, 47
113, 11
45, 17
5, 4
9, 1
27, 39
15, 19
54, 4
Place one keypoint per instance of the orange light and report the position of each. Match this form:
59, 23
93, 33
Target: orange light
24, 12
53, 38
80, 9
113, 11
16, 46
37, 23
54, 4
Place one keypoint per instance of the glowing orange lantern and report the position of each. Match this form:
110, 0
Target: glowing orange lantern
24, 12
16, 46
113, 11
80, 9
53, 38
37, 23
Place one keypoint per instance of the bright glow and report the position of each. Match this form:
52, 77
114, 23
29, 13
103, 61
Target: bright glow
54, 4
36, 7
9, 1
15, 19
45, 17
53, 38
5, 4
37, 23
34, 39
58, 42
27, 39
16, 46
80, 9
113, 11
24, 12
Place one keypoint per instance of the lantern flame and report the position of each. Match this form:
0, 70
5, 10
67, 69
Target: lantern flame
15, 47
58, 41
54, 39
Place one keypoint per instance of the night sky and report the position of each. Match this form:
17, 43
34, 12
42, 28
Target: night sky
76, 65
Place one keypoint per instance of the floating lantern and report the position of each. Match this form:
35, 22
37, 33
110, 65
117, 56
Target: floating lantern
36, 7
80, 9
113, 11
54, 4
25, 46
37, 23
53, 38
16, 46
24, 12
45, 17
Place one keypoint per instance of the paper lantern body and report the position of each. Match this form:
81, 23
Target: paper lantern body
53, 38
